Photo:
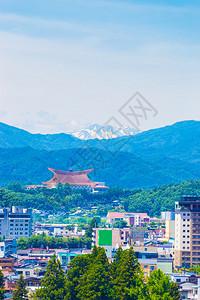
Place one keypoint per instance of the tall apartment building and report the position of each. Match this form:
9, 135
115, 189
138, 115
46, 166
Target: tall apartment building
16, 222
187, 232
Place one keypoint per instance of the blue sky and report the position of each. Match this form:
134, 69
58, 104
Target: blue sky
67, 64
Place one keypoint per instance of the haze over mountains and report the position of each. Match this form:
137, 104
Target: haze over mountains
165, 155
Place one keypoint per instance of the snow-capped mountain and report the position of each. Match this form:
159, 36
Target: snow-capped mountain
103, 132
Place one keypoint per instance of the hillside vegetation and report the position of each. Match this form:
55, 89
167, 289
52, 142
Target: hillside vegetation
30, 166
62, 198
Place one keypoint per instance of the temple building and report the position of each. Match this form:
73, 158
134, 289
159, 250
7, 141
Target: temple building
77, 179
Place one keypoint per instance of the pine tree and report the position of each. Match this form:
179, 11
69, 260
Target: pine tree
128, 278
53, 283
2, 289
96, 281
78, 267
21, 292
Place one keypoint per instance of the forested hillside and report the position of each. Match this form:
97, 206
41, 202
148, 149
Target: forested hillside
30, 166
156, 157
151, 201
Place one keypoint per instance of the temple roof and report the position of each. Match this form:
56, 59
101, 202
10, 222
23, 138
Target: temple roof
73, 178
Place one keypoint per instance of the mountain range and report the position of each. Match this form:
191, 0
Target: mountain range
156, 157
99, 132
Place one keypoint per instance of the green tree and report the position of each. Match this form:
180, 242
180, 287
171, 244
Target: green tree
96, 281
2, 289
126, 204
195, 269
128, 279
22, 243
53, 283
15, 187
160, 287
21, 292
93, 224
120, 224
78, 267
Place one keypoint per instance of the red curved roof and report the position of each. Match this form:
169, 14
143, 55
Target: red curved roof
73, 178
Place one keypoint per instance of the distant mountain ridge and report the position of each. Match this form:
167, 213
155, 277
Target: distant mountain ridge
96, 131
170, 154
12, 137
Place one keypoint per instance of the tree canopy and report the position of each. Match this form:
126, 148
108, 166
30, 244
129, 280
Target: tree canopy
91, 276
21, 292
42, 241
53, 283
62, 198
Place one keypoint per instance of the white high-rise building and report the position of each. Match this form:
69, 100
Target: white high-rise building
16, 222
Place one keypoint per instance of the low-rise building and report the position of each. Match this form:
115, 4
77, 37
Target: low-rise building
6, 265
8, 247
132, 219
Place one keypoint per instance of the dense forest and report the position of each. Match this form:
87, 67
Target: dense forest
63, 198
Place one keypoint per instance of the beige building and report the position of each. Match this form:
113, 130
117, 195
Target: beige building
187, 232
170, 229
